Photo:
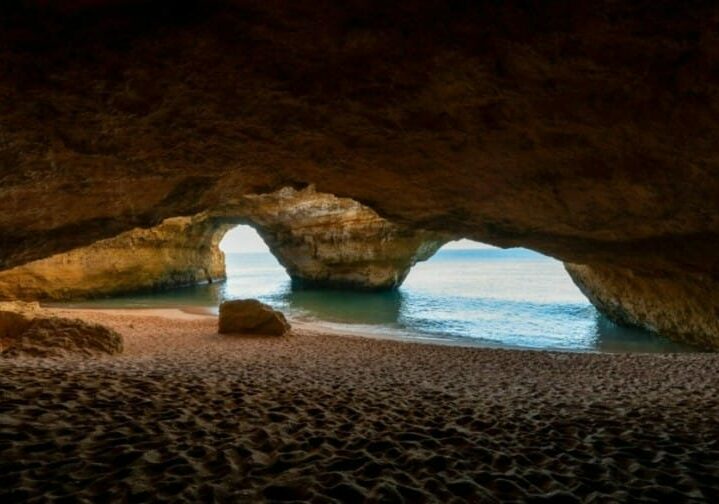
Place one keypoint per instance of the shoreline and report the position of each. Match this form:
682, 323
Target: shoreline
329, 329
187, 313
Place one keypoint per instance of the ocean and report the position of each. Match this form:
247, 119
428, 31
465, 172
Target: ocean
513, 298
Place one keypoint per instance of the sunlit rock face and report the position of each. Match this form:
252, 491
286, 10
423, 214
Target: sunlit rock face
685, 308
585, 130
320, 239
180, 251
325, 241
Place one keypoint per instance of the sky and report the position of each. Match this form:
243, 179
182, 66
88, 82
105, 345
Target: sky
246, 239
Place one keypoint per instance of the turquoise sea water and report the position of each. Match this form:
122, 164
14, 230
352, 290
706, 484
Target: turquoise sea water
485, 297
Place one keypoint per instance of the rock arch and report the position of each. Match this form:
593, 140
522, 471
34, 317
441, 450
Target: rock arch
326, 241
585, 130
320, 239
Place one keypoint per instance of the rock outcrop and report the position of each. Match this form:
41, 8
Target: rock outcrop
585, 130
326, 241
320, 239
27, 331
180, 251
15, 318
684, 309
249, 316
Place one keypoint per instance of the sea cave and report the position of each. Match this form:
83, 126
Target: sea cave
361, 141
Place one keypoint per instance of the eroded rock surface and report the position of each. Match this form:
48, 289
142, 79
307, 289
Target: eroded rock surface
326, 241
27, 331
250, 316
585, 129
180, 251
320, 239
685, 308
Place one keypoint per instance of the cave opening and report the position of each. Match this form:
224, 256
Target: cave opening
513, 297
332, 260
135, 133
467, 292
251, 269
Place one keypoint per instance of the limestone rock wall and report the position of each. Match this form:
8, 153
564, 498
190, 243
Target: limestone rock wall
320, 239
180, 251
682, 307
326, 241
584, 129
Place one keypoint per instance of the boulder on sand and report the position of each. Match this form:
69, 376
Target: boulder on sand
249, 316
28, 330
15, 318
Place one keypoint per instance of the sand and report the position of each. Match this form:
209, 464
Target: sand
189, 415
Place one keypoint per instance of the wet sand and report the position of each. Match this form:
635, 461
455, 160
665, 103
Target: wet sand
189, 415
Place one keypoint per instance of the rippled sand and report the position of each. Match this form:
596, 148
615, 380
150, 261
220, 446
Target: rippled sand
186, 414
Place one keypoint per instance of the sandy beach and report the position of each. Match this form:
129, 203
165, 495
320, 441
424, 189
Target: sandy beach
188, 415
